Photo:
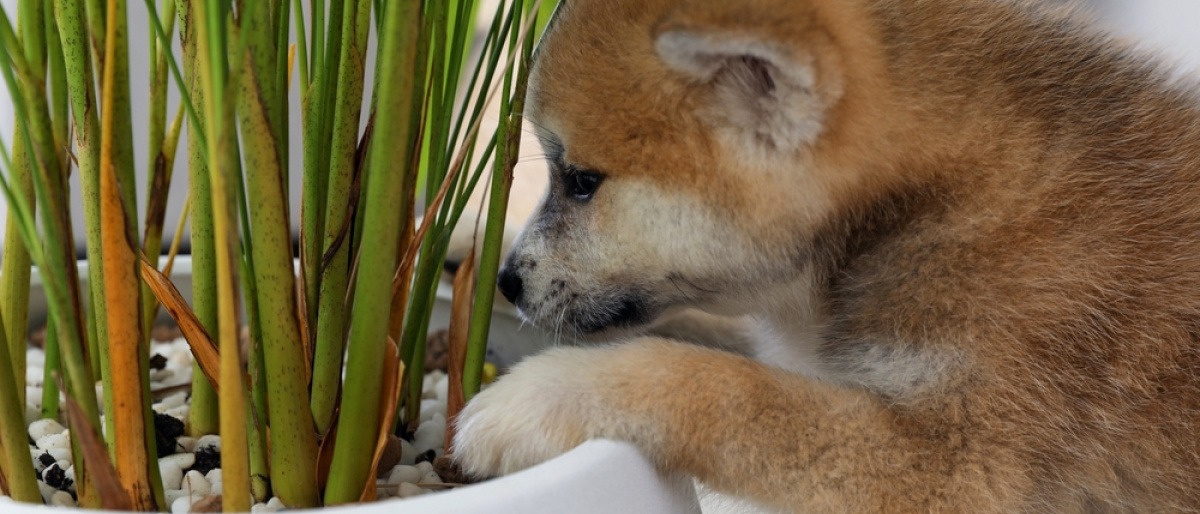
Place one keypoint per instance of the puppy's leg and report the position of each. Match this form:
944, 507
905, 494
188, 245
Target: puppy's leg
737, 425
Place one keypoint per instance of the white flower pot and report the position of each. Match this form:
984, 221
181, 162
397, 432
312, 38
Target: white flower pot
597, 477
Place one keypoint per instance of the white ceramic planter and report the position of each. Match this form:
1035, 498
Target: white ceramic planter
598, 477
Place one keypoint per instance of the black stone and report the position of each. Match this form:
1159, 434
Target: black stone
427, 456
46, 459
56, 477
158, 362
207, 459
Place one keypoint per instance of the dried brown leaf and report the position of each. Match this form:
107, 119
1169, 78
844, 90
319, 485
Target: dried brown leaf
460, 327
95, 454
207, 504
203, 348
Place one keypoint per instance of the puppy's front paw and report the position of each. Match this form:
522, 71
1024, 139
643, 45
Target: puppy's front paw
543, 408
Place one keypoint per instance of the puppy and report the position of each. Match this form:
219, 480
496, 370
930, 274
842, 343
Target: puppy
967, 232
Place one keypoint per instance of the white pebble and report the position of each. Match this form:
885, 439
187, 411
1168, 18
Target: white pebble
429, 384
406, 490
424, 467
60, 453
213, 441
173, 495
61, 440
179, 360
187, 443
44, 427
442, 388
46, 490
34, 375
172, 474
183, 460
36, 455
408, 454
258, 507
430, 478
63, 464
275, 504
180, 413
402, 473
33, 397
70, 473
62, 499
214, 480
431, 435
181, 505
162, 375
35, 357
429, 408
195, 485
172, 401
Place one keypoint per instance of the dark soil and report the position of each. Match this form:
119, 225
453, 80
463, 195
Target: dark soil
56, 477
167, 431
207, 459
158, 362
46, 459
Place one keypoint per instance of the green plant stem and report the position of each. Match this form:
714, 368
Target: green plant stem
260, 470
72, 26
294, 445
14, 269
221, 149
301, 50
203, 417
55, 258
61, 116
335, 276
318, 124
22, 484
160, 165
51, 371
95, 30
509, 134
398, 96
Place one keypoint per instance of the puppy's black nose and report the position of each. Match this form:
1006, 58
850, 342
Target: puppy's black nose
510, 284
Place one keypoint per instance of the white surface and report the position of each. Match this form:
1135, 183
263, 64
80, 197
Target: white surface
598, 477
1170, 27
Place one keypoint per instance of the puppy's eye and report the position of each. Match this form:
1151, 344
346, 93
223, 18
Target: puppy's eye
582, 184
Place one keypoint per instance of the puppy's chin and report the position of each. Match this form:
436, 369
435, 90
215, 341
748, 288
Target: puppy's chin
600, 319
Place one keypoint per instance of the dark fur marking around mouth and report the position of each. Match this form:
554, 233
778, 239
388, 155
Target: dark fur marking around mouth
623, 311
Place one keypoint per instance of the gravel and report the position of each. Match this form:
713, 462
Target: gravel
190, 468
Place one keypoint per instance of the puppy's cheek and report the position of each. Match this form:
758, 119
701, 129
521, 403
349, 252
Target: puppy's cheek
537, 412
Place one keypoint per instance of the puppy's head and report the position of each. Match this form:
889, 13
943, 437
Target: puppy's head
683, 139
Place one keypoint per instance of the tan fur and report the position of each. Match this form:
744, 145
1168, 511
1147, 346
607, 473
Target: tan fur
977, 280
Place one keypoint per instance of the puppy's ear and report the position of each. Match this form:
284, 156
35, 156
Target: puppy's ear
761, 89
